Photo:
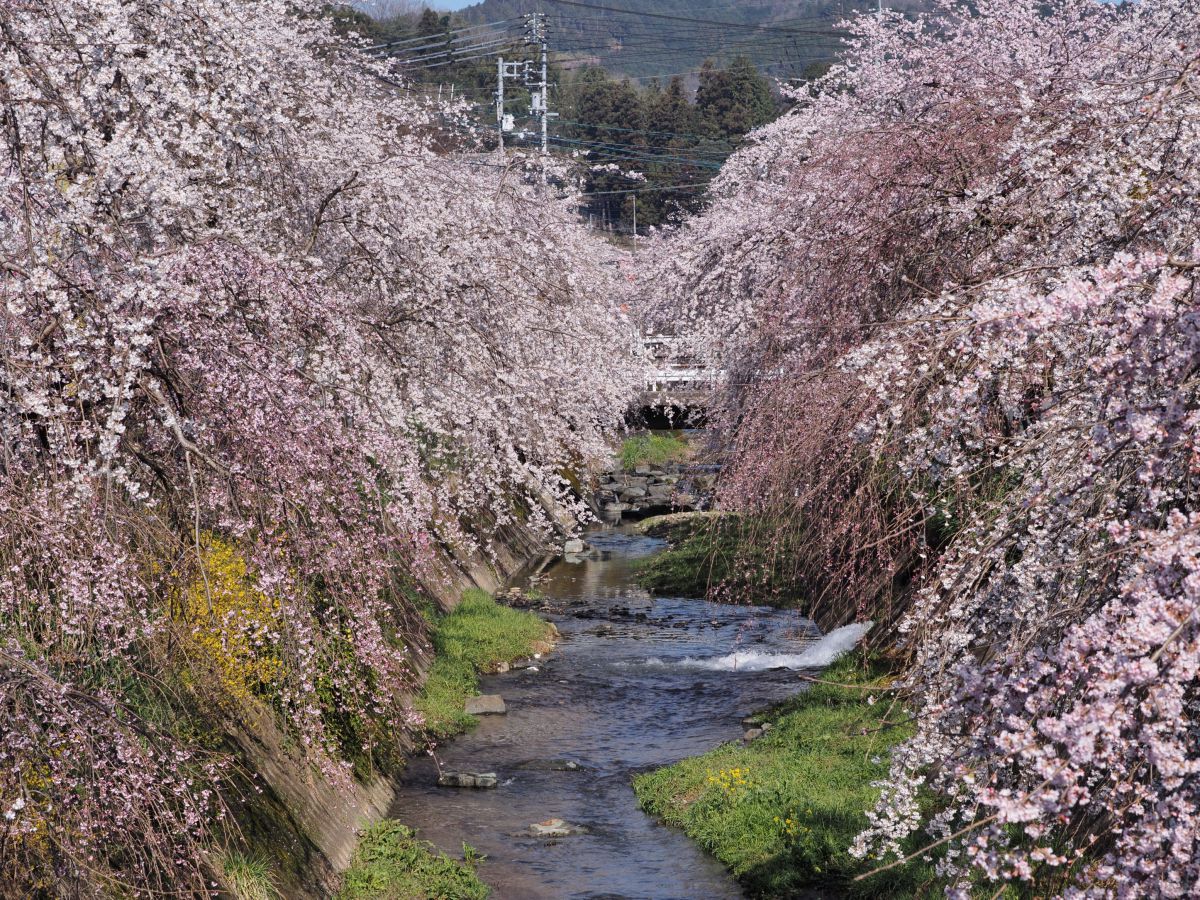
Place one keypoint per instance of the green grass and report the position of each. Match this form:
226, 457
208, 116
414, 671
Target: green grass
726, 558
782, 811
390, 863
249, 877
477, 635
652, 450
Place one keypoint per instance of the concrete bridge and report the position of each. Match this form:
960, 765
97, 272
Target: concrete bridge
677, 384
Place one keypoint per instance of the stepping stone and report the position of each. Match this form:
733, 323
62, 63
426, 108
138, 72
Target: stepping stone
556, 828
485, 705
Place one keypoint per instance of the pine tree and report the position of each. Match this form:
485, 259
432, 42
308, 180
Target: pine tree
731, 102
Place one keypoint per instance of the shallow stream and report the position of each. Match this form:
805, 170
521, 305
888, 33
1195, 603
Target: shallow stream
636, 682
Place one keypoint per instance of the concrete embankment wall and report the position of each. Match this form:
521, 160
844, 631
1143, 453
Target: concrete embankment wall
309, 824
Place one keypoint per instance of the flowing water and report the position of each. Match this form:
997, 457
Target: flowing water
636, 682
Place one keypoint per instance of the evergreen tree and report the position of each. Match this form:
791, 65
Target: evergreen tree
430, 24
670, 113
731, 102
603, 101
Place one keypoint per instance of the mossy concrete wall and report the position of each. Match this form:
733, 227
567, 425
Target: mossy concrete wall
310, 825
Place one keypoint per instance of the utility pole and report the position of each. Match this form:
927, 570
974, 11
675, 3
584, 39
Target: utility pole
539, 99
504, 122
545, 88
500, 100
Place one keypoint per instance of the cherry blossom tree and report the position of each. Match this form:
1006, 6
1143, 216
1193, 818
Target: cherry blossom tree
954, 292
266, 346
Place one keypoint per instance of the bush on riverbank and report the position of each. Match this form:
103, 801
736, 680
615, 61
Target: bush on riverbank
728, 559
782, 811
392, 864
477, 635
653, 450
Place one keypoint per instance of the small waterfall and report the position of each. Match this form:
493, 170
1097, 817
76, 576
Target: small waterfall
820, 653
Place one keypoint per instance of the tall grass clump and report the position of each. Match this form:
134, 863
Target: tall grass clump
249, 876
391, 863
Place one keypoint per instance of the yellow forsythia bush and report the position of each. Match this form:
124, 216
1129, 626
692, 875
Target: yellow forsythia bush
234, 625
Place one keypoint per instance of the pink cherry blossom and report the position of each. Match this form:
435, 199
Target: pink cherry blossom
252, 291
954, 295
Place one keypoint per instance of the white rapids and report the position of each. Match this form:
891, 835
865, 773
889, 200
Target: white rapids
820, 653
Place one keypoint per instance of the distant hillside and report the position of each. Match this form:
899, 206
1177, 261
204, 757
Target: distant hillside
644, 38
650, 96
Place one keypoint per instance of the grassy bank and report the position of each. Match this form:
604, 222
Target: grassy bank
392, 864
727, 558
478, 635
782, 811
653, 450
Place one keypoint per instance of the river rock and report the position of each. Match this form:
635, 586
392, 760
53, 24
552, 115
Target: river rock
477, 780
551, 765
555, 828
485, 705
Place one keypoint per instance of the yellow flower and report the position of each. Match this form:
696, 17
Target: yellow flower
232, 623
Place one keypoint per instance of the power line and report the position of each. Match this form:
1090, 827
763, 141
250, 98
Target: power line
617, 153
447, 34
614, 29
671, 152
767, 57
451, 55
672, 18
699, 43
658, 75
449, 43
648, 190
459, 59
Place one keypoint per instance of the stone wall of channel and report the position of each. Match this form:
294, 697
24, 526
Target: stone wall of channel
653, 490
